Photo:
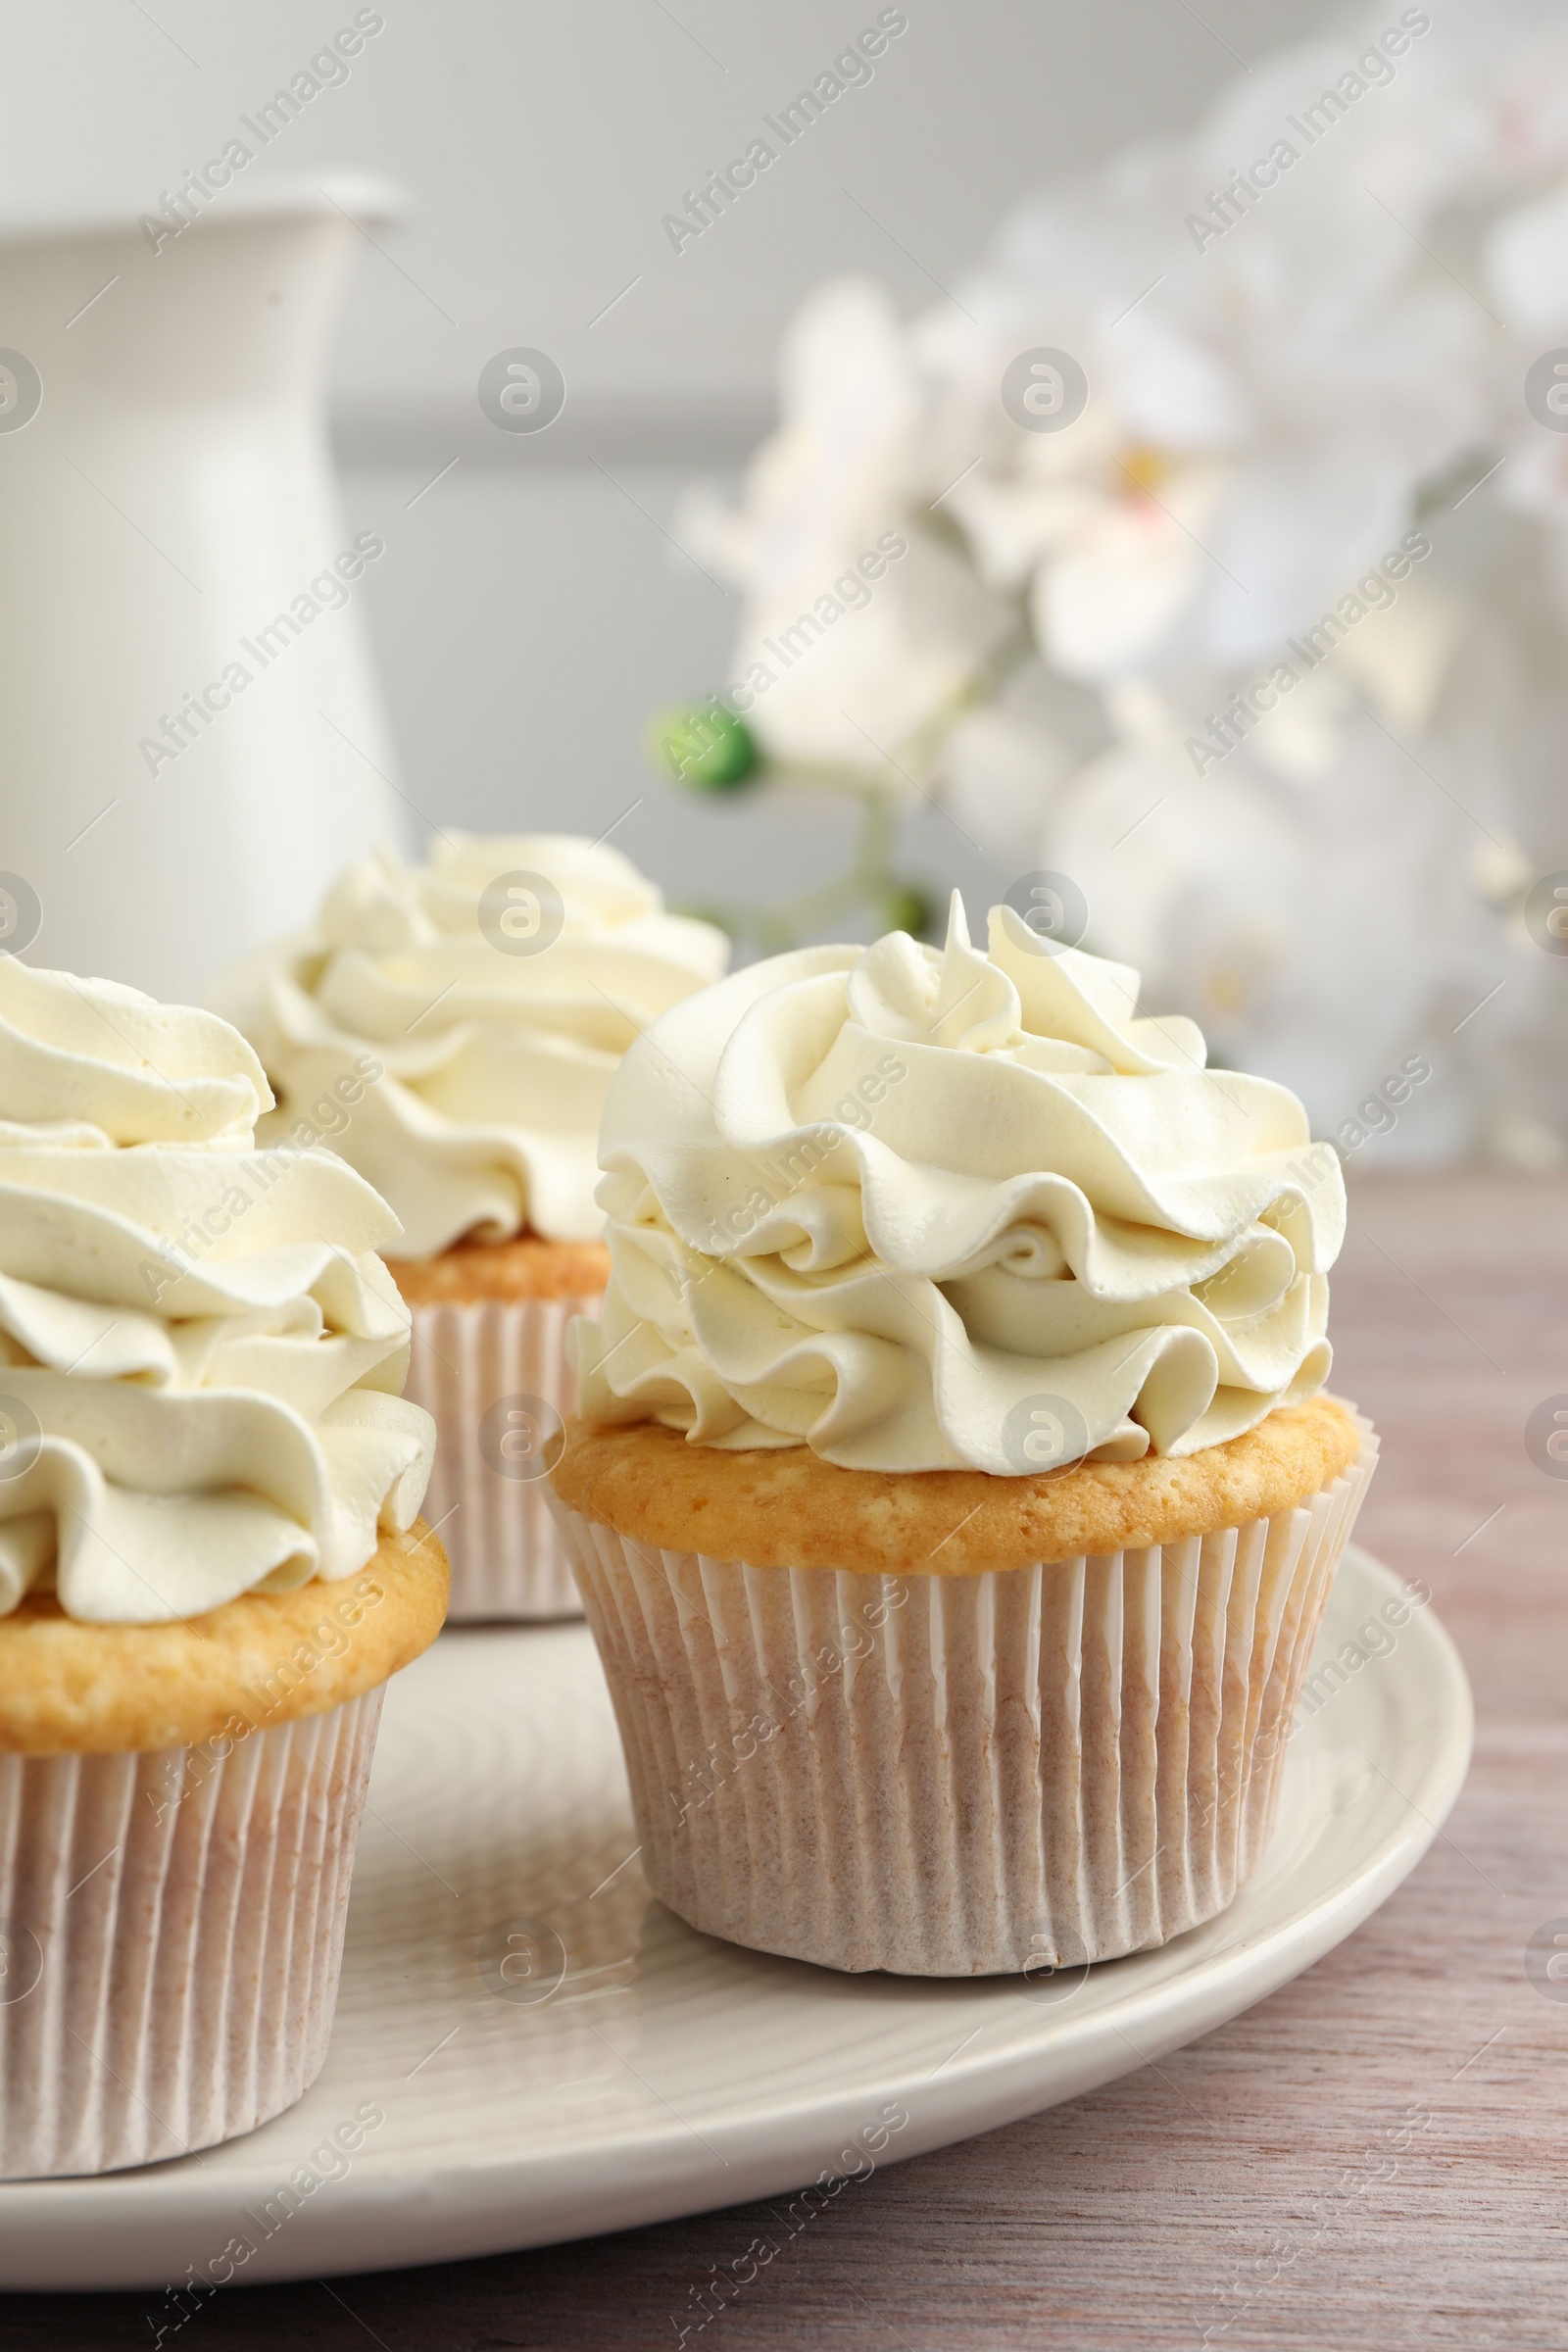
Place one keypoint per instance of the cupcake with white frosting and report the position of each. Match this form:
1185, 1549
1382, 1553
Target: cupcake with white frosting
483, 1001
210, 1563
954, 1495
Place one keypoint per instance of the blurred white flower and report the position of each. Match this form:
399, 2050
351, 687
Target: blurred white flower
835, 513
1343, 356
1318, 933
1264, 412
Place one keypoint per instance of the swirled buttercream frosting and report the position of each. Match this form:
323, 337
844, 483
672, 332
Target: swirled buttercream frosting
926, 1209
493, 992
200, 1350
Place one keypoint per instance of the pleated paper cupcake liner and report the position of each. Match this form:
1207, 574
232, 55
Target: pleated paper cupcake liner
470, 1360
170, 1938
967, 1775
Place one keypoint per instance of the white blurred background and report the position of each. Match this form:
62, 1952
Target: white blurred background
539, 596
531, 612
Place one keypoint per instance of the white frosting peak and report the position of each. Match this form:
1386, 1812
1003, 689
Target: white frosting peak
915, 1208
91, 1053
494, 1054
200, 1351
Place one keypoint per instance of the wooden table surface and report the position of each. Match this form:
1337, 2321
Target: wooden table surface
1212, 2187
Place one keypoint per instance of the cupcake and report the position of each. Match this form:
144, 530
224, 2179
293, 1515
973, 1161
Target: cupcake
210, 1564
954, 1496
452, 1031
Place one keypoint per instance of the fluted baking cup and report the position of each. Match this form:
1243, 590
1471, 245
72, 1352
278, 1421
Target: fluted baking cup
171, 1937
494, 1374
1020, 1770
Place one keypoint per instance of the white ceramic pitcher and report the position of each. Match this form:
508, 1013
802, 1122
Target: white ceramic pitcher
191, 737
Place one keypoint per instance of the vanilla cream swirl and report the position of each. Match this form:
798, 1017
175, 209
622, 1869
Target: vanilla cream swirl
924, 1211
200, 1351
495, 1058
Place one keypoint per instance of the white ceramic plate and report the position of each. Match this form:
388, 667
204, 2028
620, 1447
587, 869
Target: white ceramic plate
666, 2073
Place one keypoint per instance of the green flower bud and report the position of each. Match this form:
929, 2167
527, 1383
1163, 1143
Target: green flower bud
908, 909
705, 747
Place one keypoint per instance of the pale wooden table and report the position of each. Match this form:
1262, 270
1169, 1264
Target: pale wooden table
1125, 2219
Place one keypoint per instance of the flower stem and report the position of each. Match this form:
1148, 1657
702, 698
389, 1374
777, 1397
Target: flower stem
870, 878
